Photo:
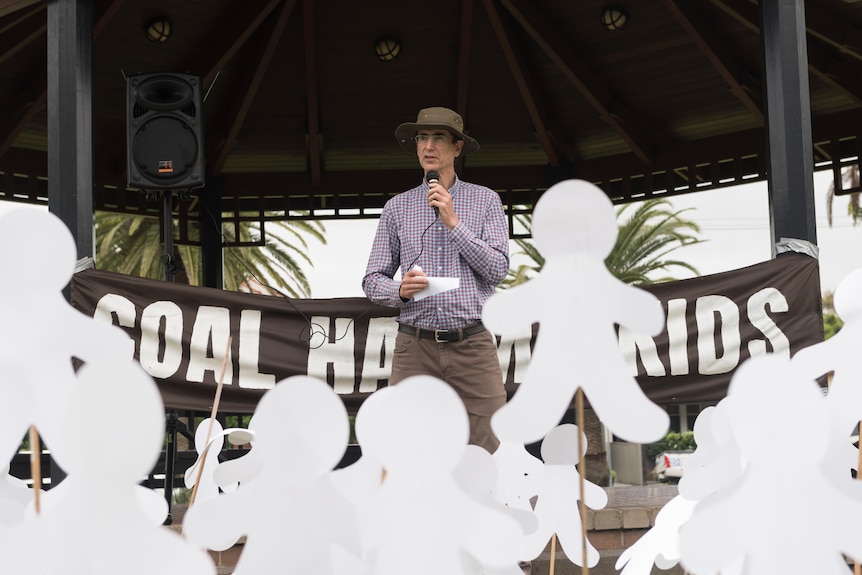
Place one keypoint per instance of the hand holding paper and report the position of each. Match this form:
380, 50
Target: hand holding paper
437, 285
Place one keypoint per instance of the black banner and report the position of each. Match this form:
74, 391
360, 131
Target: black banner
181, 334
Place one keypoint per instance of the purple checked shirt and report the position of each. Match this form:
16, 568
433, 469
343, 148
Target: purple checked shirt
476, 251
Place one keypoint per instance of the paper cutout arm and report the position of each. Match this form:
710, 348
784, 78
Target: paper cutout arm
639, 310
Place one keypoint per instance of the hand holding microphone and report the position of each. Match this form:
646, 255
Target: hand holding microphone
432, 177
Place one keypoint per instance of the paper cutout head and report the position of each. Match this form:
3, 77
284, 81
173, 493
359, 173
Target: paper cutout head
47, 264
303, 420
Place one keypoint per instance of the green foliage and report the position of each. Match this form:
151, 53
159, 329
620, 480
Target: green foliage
133, 245
831, 324
673, 441
182, 495
236, 421
645, 238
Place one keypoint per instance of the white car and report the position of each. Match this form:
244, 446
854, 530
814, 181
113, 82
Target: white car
669, 465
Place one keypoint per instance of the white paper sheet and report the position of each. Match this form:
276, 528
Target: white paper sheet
437, 285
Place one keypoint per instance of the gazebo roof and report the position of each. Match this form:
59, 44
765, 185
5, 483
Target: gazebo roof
300, 110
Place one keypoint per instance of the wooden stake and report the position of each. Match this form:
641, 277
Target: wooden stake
553, 553
36, 467
213, 413
582, 470
857, 568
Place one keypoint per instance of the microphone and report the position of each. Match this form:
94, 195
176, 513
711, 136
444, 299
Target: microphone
432, 177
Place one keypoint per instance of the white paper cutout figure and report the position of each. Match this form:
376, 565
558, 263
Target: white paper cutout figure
234, 472
150, 503
476, 474
420, 516
576, 301
557, 503
40, 332
707, 470
208, 488
659, 545
780, 516
15, 496
98, 527
717, 461
519, 475
840, 353
290, 512
363, 478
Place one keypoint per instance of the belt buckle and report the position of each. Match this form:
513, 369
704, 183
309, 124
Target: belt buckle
437, 333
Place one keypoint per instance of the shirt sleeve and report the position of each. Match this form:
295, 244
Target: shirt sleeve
487, 253
383, 261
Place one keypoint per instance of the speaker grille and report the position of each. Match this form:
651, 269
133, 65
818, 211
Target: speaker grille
138, 111
165, 149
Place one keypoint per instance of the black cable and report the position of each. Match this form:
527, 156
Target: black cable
312, 327
421, 245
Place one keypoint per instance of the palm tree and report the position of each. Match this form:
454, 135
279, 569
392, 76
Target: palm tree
644, 240
850, 181
133, 245
831, 322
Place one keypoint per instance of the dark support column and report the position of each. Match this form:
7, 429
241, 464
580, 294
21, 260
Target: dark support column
70, 127
211, 239
70, 118
788, 120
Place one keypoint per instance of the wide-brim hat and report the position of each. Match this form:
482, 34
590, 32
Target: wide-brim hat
435, 118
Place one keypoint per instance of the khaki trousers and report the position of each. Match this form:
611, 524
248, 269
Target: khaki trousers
469, 366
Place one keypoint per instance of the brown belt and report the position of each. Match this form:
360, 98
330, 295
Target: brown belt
442, 335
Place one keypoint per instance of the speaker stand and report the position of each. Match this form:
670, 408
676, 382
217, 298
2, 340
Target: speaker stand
168, 261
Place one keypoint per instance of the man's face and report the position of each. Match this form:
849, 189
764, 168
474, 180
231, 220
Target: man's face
437, 149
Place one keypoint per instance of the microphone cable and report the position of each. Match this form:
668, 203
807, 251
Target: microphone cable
432, 178
313, 328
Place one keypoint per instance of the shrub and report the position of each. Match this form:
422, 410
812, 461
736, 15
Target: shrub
673, 441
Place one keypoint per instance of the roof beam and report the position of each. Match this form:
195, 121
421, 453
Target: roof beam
31, 102
247, 89
609, 108
21, 32
464, 48
524, 82
836, 32
22, 105
106, 17
247, 22
21, 111
464, 57
314, 141
10, 6
742, 11
821, 63
716, 52
841, 74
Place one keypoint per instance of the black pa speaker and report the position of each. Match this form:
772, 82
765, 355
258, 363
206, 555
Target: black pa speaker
164, 132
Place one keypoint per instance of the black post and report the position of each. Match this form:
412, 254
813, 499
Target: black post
70, 127
168, 231
211, 236
170, 458
788, 120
